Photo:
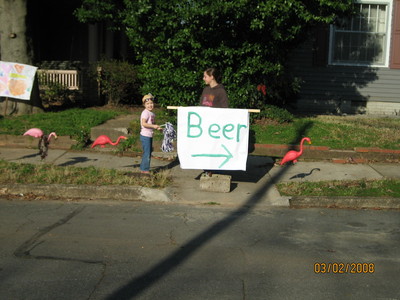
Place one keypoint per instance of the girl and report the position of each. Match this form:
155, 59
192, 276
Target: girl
147, 125
214, 93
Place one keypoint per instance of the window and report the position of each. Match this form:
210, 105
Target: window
362, 39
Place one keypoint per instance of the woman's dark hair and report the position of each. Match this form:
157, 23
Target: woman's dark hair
214, 72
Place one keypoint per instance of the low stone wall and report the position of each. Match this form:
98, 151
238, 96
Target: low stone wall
348, 107
383, 108
62, 142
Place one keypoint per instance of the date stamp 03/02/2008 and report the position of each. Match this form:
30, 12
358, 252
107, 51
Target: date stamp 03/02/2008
344, 268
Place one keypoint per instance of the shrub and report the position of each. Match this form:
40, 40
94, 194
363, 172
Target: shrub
131, 143
275, 113
249, 41
118, 81
56, 95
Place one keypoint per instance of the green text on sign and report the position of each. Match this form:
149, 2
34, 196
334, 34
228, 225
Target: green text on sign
216, 131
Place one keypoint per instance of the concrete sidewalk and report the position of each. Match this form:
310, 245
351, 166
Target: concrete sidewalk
254, 187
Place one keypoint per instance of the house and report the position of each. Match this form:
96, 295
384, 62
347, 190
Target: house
65, 49
57, 35
353, 66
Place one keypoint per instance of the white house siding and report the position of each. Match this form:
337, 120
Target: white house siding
345, 89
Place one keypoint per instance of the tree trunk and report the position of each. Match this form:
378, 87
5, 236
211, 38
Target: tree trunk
14, 47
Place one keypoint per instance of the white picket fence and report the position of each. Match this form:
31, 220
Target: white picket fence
71, 79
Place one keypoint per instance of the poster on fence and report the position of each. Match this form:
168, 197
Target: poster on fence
213, 138
16, 80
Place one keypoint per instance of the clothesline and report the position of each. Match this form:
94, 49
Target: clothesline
250, 109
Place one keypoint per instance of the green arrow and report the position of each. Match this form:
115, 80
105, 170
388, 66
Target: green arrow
227, 156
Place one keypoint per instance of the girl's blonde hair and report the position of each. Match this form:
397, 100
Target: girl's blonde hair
147, 97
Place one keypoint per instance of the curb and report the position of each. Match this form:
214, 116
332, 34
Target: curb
357, 155
88, 192
134, 193
325, 148
344, 202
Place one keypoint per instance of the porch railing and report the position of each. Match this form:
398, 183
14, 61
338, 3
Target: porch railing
71, 79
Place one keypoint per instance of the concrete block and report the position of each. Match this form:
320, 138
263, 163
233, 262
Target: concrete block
216, 183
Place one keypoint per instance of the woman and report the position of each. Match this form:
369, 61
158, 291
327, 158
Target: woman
214, 93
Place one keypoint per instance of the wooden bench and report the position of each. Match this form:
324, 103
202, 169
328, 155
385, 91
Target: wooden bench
71, 79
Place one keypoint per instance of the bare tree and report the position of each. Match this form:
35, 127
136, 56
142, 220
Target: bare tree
14, 47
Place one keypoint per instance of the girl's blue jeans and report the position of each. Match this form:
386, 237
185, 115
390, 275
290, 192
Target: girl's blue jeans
147, 143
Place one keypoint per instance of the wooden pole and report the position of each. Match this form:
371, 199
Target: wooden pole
5, 106
250, 110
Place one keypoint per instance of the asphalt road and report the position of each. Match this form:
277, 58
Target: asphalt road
136, 250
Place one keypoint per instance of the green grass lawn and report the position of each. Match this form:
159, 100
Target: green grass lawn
68, 122
358, 188
49, 174
332, 131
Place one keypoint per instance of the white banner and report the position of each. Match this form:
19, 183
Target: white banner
16, 80
213, 138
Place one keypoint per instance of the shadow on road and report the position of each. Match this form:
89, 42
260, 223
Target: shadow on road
139, 284
256, 168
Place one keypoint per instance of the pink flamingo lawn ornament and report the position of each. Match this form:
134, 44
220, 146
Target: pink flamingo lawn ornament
293, 155
35, 132
102, 140
44, 140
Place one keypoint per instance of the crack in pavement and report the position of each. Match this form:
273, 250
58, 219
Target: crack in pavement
172, 240
24, 250
58, 157
31, 221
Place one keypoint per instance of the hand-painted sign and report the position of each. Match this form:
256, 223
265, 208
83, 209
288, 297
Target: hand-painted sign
16, 80
213, 138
